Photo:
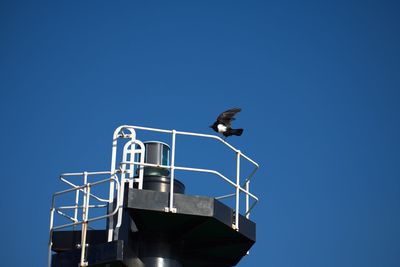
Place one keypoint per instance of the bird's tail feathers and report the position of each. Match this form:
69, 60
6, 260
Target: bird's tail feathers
237, 132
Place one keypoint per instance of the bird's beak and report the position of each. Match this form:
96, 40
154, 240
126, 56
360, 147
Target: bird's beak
210, 126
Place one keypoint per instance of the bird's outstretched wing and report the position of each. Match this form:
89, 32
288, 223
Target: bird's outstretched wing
227, 117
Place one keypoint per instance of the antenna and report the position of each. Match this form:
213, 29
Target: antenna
149, 220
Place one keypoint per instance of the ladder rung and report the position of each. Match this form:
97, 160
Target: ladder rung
133, 150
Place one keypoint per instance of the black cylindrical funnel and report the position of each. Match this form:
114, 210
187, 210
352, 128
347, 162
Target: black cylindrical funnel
162, 184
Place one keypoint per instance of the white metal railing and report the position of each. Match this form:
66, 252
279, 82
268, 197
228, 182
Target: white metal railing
126, 169
119, 133
86, 189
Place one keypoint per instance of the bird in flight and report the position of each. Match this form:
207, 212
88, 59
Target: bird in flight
223, 123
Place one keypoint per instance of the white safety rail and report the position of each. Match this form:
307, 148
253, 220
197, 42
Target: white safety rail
132, 164
81, 204
239, 185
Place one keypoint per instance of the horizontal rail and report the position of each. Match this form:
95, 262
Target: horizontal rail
83, 173
222, 141
89, 220
69, 217
191, 134
232, 195
194, 170
94, 196
66, 215
226, 196
82, 186
220, 175
81, 206
144, 128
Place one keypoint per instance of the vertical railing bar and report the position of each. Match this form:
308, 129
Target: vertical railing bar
132, 154
120, 197
84, 218
49, 256
237, 190
247, 199
51, 231
116, 135
85, 195
124, 167
141, 167
85, 226
171, 189
76, 206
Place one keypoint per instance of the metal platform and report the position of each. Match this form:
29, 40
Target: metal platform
201, 231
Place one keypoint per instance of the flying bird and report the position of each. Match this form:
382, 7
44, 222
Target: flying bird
223, 123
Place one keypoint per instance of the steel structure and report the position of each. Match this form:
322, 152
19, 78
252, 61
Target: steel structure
133, 235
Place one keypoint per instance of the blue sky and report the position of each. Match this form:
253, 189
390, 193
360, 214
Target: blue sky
318, 82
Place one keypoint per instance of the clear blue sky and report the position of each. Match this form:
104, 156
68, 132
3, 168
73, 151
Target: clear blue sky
318, 82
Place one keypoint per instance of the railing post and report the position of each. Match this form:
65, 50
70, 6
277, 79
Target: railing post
237, 210
85, 225
112, 186
116, 135
171, 188
141, 167
49, 256
76, 205
247, 199
51, 231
